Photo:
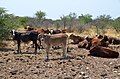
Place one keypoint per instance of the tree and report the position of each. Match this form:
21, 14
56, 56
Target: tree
23, 20
7, 23
40, 15
64, 20
57, 23
116, 24
68, 20
72, 17
83, 19
2, 16
102, 22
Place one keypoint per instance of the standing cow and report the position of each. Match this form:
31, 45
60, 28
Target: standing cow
56, 39
25, 37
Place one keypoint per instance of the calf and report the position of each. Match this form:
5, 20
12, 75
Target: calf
25, 37
56, 39
104, 52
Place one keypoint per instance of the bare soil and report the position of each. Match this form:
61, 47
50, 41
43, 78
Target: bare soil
78, 65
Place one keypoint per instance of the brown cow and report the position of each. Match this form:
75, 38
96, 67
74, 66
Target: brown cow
56, 39
113, 40
100, 40
52, 31
104, 52
86, 43
29, 28
76, 39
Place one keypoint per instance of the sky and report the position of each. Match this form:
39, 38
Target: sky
54, 9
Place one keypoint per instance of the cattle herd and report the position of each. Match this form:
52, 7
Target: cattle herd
97, 45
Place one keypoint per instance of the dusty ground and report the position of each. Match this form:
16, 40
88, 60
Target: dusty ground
77, 66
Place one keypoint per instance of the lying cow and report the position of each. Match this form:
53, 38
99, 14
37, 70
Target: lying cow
100, 40
55, 31
28, 28
86, 43
25, 37
52, 31
114, 41
56, 39
104, 52
76, 39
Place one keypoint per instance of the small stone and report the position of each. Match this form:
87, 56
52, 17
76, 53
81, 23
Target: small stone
1, 62
67, 77
83, 73
117, 67
86, 76
103, 75
115, 71
87, 68
117, 78
118, 73
37, 66
13, 72
72, 69
111, 63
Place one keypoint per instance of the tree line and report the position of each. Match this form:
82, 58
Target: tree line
71, 21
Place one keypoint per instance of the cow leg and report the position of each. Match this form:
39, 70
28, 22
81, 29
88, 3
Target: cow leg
64, 51
40, 47
32, 45
19, 50
47, 52
35, 42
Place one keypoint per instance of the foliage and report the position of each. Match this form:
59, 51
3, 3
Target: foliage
102, 22
83, 19
23, 20
7, 22
116, 24
70, 21
40, 15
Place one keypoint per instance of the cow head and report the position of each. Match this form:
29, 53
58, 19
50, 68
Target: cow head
13, 32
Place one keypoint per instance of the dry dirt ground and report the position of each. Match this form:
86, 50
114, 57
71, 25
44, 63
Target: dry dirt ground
78, 65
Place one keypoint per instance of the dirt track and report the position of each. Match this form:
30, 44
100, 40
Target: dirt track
77, 66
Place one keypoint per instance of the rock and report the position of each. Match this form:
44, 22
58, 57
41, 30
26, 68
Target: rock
6, 54
115, 71
82, 73
8, 60
103, 75
1, 62
72, 69
117, 67
78, 76
13, 72
87, 68
119, 74
111, 63
68, 77
86, 76
37, 66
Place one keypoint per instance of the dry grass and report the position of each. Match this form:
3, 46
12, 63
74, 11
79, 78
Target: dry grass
90, 32
112, 32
